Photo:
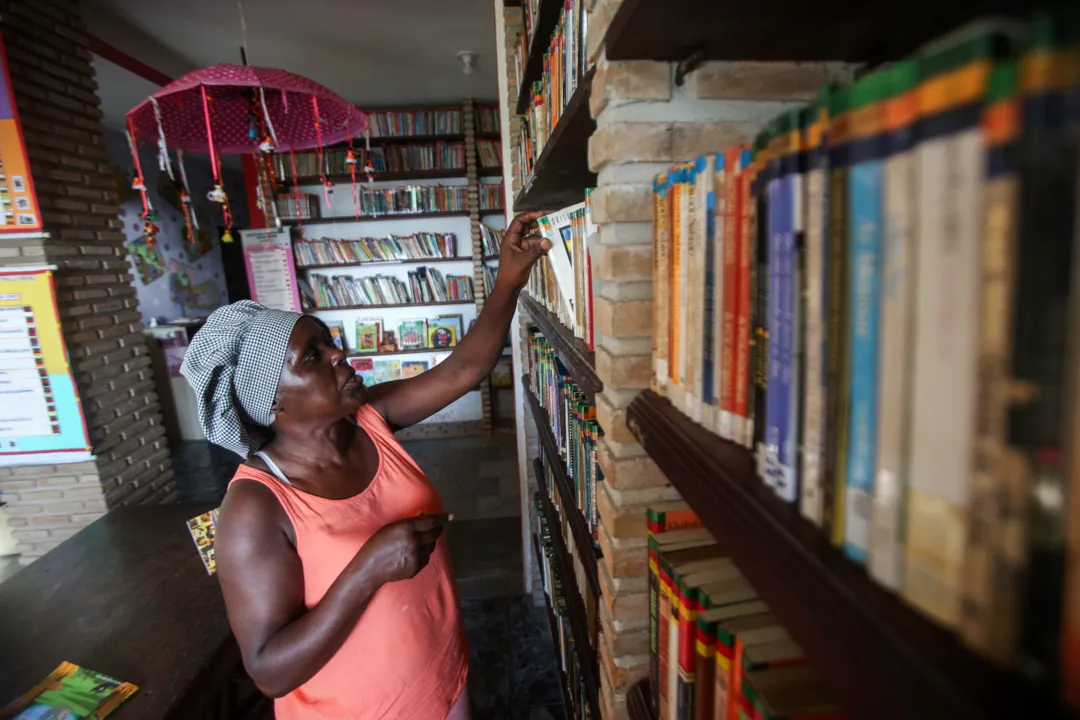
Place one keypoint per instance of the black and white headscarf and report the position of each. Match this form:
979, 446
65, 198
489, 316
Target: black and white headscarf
233, 364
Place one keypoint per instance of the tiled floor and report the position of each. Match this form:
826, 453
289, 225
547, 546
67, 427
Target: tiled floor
512, 670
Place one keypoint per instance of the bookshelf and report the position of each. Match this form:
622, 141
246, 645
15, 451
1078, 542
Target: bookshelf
547, 15
572, 351
582, 535
554, 628
391, 263
384, 306
374, 218
561, 173
882, 657
393, 176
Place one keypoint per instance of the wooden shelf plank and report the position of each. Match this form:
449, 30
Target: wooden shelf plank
391, 263
568, 702
583, 538
578, 359
547, 17
415, 351
287, 184
781, 30
885, 660
389, 305
561, 173
579, 626
638, 702
374, 218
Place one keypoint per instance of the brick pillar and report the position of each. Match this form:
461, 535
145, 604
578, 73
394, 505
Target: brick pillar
645, 123
56, 94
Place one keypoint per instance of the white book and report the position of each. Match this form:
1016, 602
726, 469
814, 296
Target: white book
721, 176
557, 228
703, 184
948, 266
811, 500
661, 285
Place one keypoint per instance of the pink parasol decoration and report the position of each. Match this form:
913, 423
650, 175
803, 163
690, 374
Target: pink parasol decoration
286, 100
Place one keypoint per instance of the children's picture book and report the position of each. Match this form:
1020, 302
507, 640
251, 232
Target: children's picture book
368, 334
502, 375
412, 368
412, 334
441, 337
202, 529
71, 692
450, 321
365, 368
387, 371
337, 334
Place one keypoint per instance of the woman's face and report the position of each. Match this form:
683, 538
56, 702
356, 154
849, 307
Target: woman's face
316, 383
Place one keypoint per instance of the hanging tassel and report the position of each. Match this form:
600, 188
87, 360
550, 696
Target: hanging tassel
271, 140
328, 187
164, 163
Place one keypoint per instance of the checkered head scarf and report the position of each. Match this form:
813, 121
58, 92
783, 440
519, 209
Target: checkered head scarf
233, 364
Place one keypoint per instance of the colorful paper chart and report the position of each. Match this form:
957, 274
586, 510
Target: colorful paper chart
271, 269
41, 420
19, 212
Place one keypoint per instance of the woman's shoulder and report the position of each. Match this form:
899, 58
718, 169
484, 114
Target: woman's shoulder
251, 502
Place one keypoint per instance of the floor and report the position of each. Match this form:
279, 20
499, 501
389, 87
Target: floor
512, 670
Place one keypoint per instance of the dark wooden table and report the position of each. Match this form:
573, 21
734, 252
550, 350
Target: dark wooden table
129, 597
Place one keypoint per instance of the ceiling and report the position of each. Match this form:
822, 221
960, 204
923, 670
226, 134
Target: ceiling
374, 53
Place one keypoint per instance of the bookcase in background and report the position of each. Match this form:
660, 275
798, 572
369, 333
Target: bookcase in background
434, 186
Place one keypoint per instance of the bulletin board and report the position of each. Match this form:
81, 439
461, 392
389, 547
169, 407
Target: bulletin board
41, 420
271, 268
19, 211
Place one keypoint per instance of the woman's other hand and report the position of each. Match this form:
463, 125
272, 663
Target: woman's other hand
521, 248
402, 549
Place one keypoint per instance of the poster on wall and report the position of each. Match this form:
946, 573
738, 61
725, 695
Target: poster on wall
19, 212
41, 420
271, 269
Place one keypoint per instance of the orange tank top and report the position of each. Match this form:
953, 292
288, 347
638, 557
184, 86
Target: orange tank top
407, 657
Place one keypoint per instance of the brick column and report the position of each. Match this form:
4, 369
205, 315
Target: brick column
56, 94
646, 123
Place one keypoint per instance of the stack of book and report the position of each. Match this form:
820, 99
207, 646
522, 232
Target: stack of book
418, 246
412, 199
491, 196
715, 649
403, 158
487, 120
297, 206
573, 424
562, 280
405, 123
439, 333
490, 153
380, 370
490, 241
428, 285
879, 297
565, 63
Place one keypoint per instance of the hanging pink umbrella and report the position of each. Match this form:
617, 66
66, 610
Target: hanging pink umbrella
211, 110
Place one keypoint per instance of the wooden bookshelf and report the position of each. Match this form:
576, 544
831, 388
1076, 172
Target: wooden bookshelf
578, 359
410, 351
575, 608
884, 659
786, 31
639, 703
388, 176
561, 173
555, 635
547, 17
311, 311
374, 218
408, 139
583, 537
391, 263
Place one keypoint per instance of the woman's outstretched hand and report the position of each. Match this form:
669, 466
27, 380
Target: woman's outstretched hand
521, 248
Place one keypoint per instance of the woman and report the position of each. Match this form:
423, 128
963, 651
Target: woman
338, 588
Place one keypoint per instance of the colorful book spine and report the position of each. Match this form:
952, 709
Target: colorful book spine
792, 181
700, 174
865, 222
661, 280
676, 299
769, 467
728, 297
742, 407
712, 329
896, 321
760, 283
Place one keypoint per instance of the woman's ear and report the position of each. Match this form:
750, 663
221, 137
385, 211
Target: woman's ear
274, 410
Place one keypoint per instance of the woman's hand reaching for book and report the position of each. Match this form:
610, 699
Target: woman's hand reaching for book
521, 248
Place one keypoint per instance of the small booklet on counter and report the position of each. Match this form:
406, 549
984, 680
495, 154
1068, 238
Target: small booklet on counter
202, 529
71, 692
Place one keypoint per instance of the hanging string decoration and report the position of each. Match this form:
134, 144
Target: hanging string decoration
328, 186
350, 164
217, 194
150, 226
191, 223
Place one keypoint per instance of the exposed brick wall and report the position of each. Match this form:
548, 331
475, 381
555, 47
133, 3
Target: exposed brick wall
56, 94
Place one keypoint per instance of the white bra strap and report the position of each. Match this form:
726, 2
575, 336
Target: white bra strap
273, 467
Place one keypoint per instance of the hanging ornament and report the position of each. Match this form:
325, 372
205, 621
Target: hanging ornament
267, 145
218, 194
150, 228
350, 156
164, 164
227, 236
138, 184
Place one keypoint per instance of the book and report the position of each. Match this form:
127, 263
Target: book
723, 307
789, 692
412, 368
661, 233
387, 370
452, 321
671, 516
203, 529
502, 375
71, 691
412, 334
440, 336
368, 335
337, 334
365, 368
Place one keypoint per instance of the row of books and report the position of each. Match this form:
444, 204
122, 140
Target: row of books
555, 588
490, 241
439, 333
487, 119
403, 123
413, 199
489, 153
402, 158
715, 649
565, 63
879, 297
491, 196
562, 280
418, 246
489, 279
425, 285
297, 205
380, 370
573, 424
